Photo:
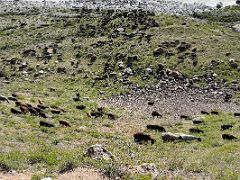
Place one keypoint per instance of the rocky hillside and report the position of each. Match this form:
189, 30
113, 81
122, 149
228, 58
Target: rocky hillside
95, 89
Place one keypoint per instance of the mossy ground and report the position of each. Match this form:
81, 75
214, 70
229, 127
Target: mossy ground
24, 145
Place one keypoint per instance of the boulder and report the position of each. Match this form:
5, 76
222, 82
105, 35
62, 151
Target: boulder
169, 137
178, 136
233, 63
187, 137
236, 27
97, 152
145, 168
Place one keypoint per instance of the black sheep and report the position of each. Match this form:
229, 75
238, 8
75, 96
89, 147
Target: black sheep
64, 123
156, 128
228, 137
156, 114
143, 138
226, 126
195, 130
46, 124
15, 111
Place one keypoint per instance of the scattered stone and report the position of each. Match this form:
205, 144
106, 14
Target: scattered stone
236, 27
169, 137
233, 63
47, 178
97, 152
141, 138
146, 168
128, 71
156, 128
226, 126
187, 137
178, 136
228, 137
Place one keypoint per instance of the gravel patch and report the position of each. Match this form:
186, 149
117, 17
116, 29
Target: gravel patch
158, 6
171, 104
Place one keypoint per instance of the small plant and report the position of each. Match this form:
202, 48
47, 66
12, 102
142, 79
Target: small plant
67, 165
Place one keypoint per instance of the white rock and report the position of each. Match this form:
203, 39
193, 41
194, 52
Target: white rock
236, 27
47, 178
99, 153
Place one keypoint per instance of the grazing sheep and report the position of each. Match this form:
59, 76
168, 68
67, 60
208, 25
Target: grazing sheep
64, 123
197, 121
151, 103
24, 109
37, 109
15, 111
56, 111
14, 95
156, 114
111, 116
205, 112
42, 106
214, 112
42, 114
2, 99
46, 124
96, 114
236, 114
32, 111
184, 117
143, 138
81, 107
226, 126
228, 137
156, 128
77, 98
10, 98
195, 130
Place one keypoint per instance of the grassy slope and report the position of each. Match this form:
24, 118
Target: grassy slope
26, 146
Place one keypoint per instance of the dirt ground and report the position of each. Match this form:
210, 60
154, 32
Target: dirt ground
77, 174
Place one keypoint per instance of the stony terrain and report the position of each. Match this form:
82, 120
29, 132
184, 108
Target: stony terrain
119, 94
